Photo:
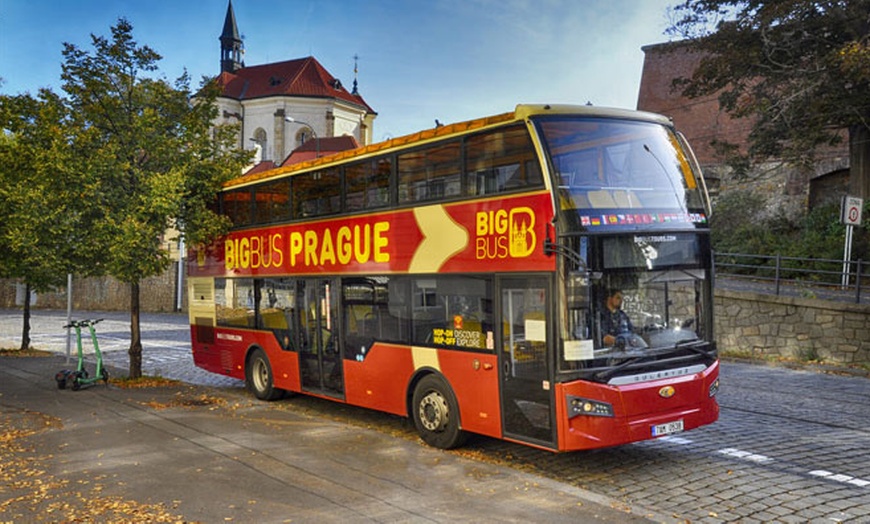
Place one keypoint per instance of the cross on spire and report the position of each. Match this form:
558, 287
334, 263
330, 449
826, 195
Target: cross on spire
355, 91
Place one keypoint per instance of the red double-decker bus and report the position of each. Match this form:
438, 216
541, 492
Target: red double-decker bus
541, 276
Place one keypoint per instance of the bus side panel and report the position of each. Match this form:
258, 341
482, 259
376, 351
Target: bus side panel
206, 355
637, 409
226, 355
285, 366
474, 379
381, 379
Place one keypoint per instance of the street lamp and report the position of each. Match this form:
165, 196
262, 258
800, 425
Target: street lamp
292, 120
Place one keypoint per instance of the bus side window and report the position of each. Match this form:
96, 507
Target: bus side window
502, 160
272, 202
368, 184
235, 304
317, 194
453, 311
430, 174
236, 205
276, 309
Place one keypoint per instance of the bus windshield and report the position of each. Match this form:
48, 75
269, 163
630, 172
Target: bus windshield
619, 173
631, 215
642, 299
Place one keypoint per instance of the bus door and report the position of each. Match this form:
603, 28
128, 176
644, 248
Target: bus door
526, 392
319, 355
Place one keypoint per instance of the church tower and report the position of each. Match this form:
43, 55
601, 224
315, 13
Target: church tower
293, 106
231, 44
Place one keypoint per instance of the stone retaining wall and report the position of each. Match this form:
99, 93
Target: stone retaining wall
746, 323
156, 294
806, 329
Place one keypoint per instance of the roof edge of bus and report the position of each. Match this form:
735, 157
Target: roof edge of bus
419, 136
521, 112
527, 110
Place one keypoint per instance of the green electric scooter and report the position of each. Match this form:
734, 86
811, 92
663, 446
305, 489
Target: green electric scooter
79, 377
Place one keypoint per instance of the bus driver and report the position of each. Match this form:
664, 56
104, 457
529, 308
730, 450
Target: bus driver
614, 321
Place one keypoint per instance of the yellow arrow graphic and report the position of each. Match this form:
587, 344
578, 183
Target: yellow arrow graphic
442, 238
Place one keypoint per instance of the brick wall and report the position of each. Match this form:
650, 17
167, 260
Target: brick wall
789, 189
699, 119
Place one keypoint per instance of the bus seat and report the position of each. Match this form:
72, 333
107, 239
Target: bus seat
601, 199
581, 201
626, 198
274, 319
660, 199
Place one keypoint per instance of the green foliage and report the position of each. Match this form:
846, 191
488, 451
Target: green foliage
44, 195
90, 183
799, 70
737, 228
734, 230
158, 161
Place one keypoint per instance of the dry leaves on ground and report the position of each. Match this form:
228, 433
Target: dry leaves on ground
32, 494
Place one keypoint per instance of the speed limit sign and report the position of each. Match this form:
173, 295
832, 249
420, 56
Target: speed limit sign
850, 212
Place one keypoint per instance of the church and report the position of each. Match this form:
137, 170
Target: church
288, 111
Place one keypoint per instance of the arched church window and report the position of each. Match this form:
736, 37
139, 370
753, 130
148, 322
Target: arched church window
261, 140
304, 135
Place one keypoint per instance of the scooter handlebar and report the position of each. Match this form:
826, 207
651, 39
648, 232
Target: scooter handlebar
83, 323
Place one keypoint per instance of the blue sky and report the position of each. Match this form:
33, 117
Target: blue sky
419, 60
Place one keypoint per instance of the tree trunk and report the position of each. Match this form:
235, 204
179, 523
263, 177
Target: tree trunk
135, 334
859, 162
25, 332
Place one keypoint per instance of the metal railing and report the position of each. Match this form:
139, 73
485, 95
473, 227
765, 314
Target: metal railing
793, 276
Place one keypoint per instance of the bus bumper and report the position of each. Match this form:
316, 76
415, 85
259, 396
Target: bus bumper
601, 415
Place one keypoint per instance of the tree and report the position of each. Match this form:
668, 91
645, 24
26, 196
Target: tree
158, 160
44, 200
799, 69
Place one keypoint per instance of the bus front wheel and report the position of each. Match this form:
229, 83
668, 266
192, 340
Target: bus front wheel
436, 413
259, 378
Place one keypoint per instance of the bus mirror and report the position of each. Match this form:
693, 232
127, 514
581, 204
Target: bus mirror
577, 289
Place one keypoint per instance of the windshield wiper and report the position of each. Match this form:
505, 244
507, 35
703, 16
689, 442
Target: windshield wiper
606, 375
695, 346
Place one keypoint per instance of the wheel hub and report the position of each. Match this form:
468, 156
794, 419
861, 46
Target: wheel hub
260, 375
434, 412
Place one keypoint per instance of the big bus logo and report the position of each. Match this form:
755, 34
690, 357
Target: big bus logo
502, 233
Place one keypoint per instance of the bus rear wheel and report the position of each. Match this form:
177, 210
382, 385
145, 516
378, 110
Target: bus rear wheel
436, 413
259, 378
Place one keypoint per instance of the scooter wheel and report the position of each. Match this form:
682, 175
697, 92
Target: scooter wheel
73, 381
105, 376
60, 378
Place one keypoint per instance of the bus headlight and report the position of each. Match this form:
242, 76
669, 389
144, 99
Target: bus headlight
714, 388
583, 406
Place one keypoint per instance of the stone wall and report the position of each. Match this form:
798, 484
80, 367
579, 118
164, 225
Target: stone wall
156, 294
746, 323
806, 329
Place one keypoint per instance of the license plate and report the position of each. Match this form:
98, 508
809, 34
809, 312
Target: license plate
667, 428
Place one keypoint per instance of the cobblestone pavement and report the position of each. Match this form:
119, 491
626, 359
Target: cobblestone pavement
165, 342
790, 445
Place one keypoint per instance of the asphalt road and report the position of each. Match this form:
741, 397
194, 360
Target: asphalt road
790, 445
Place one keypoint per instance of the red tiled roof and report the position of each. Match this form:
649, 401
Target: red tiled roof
333, 143
319, 147
265, 165
301, 77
